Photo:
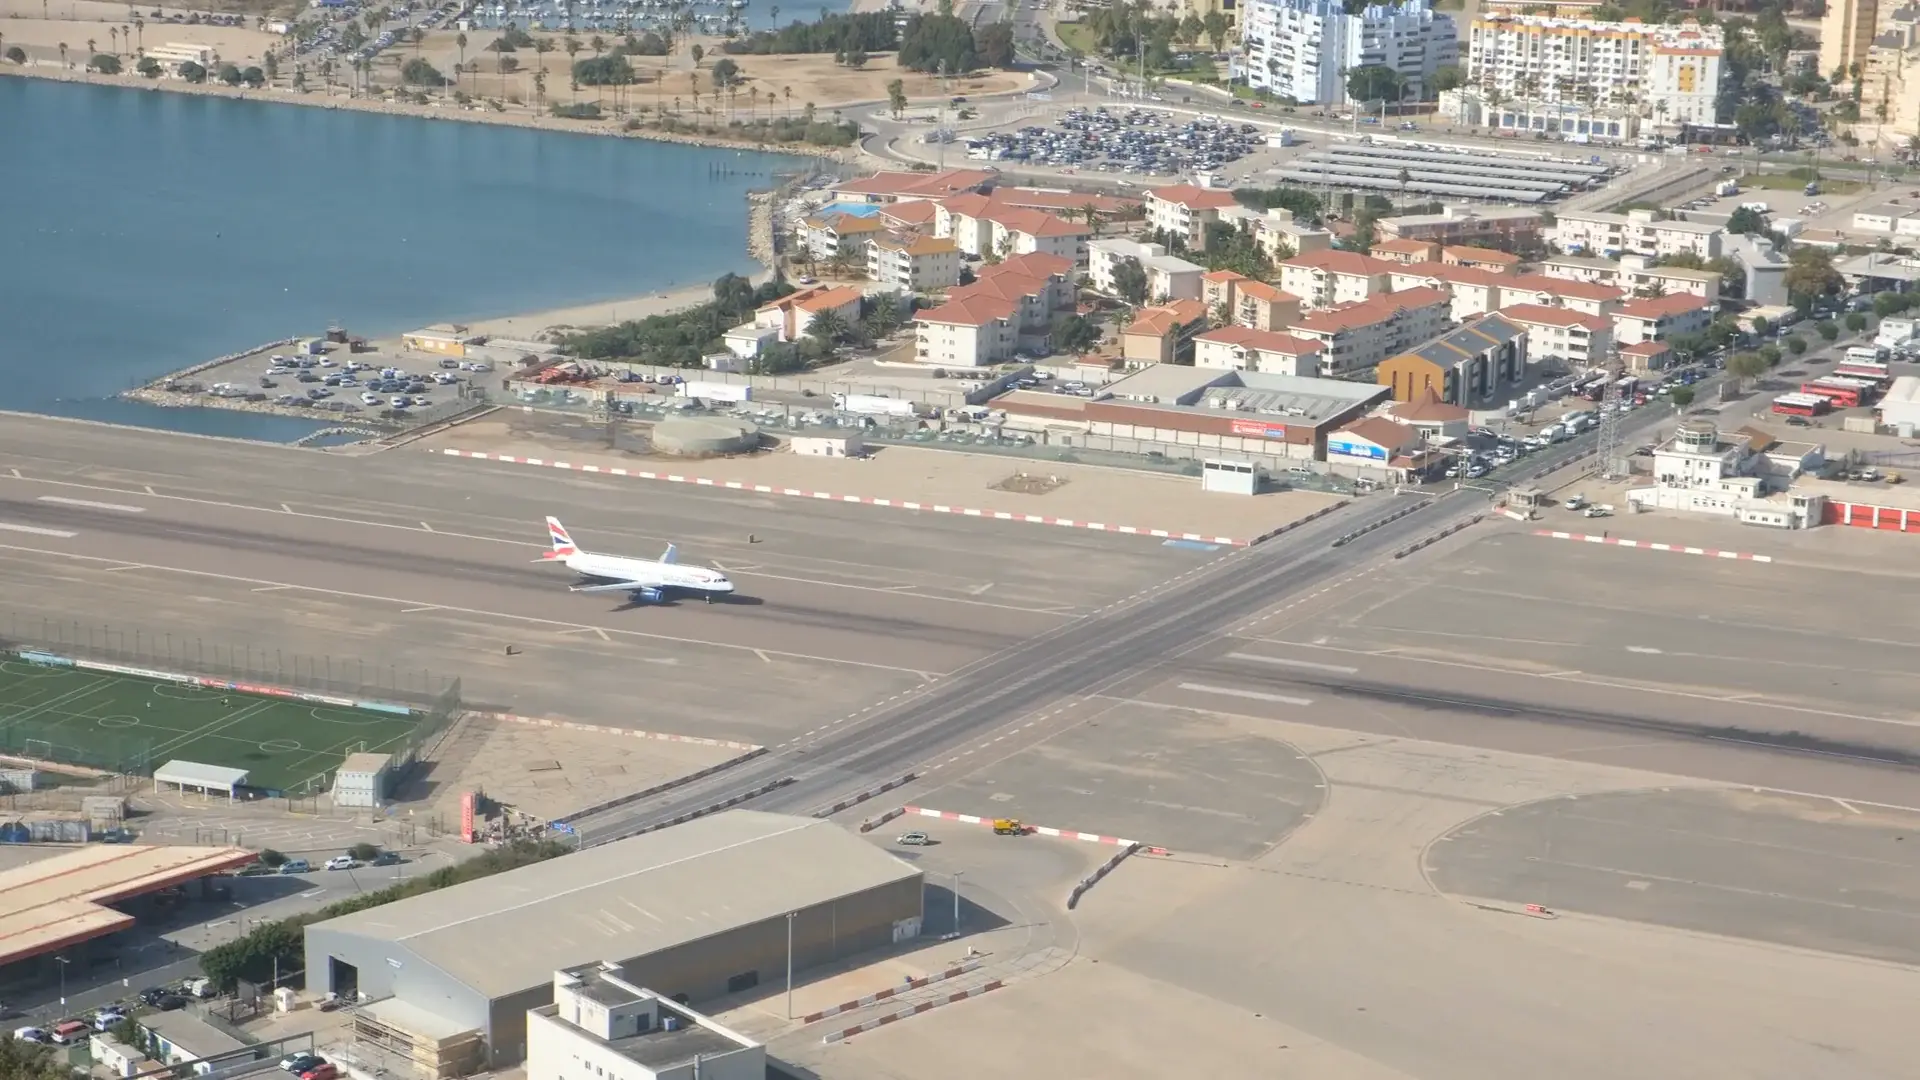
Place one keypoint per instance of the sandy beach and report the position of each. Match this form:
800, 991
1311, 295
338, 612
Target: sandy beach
528, 325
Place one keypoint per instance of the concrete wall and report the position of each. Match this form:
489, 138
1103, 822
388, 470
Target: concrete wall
414, 981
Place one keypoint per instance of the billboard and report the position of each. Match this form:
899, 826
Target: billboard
1347, 446
466, 817
1259, 429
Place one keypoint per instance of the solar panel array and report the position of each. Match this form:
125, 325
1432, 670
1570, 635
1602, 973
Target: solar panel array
1443, 172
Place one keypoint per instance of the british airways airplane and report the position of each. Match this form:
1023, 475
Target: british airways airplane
647, 580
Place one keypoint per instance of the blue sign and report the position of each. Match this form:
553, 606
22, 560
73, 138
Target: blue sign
562, 827
1349, 448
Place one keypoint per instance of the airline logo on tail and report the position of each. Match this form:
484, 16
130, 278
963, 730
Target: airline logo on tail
563, 545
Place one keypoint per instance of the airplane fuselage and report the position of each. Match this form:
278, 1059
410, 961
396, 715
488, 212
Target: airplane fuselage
666, 575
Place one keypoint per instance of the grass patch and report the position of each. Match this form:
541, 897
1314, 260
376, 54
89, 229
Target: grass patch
1784, 182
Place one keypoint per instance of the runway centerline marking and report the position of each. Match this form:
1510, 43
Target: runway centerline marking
1254, 695
35, 530
89, 504
1284, 662
565, 627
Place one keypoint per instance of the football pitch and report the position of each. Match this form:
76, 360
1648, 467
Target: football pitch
137, 725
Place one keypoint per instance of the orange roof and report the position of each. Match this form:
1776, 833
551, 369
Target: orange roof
1053, 199
912, 185
1554, 286
1404, 247
829, 299
1646, 348
1545, 315
1335, 261
1224, 275
1164, 319
1368, 312
1428, 408
1260, 290
1451, 274
55, 902
1195, 198
1468, 253
1382, 432
1034, 264
843, 224
975, 310
1263, 340
1659, 307
1035, 222
914, 212
1006, 286
918, 245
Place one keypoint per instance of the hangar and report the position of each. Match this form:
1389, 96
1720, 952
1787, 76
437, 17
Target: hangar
691, 912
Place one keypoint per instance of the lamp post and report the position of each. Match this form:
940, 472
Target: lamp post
956, 900
790, 916
63, 980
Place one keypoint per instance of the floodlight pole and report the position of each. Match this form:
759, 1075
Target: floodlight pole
790, 916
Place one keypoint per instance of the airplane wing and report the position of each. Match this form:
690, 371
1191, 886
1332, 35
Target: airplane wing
616, 586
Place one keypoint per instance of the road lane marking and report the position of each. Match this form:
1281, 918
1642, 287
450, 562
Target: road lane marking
35, 530
1255, 695
1644, 650
1284, 662
91, 505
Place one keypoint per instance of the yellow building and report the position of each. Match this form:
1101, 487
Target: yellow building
440, 339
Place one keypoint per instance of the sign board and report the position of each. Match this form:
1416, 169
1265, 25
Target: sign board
1259, 429
1356, 448
561, 827
467, 802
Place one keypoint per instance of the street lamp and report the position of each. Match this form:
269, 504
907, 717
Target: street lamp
63, 980
790, 916
956, 900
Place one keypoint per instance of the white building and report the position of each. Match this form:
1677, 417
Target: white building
1327, 278
1169, 277
1185, 211
914, 263
602, 1026
1668, 72
1702, 471
1240, 348
971, 332
1636, 232
1303, 49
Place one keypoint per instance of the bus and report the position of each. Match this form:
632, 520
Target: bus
1800, 405
1873, 371
1840, 397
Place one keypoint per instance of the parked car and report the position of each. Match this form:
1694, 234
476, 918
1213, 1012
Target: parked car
913, 839
296, 866
32, 1034
323, 1071
301, 1062
342, 862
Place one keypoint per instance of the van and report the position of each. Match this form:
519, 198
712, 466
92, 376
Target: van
1553, 433
1866, 353
71, 1031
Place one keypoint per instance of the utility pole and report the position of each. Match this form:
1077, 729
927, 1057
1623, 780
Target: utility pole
956, 900
1607, 444
790, 916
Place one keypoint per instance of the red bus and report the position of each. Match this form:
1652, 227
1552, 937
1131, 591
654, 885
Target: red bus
1875, 373
1840, 397
1801, 405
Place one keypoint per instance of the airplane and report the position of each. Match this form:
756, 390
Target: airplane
647, 580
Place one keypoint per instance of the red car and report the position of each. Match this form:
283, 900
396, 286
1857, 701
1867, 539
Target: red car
323, 1071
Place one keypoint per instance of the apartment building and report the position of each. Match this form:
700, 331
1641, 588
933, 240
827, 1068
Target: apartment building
1241, 348
1635, 272
1282, 236
1479, 258
828, 235
1358, 336
1474, 292
790, 315
1261, 306
1509, 229
1326, 278
1185, 211
1302, 49
981, 226
1169, 277
1472, 364
1163, 333
1557, 333
1553, 65
1010, 307
1581, 296
890, 187
1636, 232
1406, 251
1660, 318
1846, 33
913, 264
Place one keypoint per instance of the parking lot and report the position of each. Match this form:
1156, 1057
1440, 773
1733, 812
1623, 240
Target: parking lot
341, 380
1139, 142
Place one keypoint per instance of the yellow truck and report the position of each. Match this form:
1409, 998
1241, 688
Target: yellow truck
1009, 827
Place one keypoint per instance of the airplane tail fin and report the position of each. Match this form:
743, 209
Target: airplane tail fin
563, 544
671, 555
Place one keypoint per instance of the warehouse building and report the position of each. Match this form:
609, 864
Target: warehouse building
691, 913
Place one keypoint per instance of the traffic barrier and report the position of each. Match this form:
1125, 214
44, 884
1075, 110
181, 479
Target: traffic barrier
871, 824
1388, 520
1105, 868
1517, 515
925, 1006
875, 999
657, 789
1678, 549
599, 729
865, 795
1539, 912
1292, 525
1439, 536
700, 813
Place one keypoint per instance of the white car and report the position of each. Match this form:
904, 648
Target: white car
913, 839
341, 862
32, 1034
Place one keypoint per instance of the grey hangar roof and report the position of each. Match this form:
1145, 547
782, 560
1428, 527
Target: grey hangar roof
506, 933
1442, 172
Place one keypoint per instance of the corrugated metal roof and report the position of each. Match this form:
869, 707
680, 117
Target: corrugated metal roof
510, 932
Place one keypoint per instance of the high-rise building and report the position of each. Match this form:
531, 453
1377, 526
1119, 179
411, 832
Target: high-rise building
1846, 32
1669, 72
1303, 49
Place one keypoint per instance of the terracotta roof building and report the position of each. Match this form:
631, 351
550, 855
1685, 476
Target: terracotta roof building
886, 187
1185, 210
1241, 348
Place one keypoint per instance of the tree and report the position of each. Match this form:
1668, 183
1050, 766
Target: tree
420, 72
1762, 326
364, 851
938, 43
1746, 221
253, 77
1796, 345
1073, 333
1827, 329
193, 72
1448, 77
603, 71
1374, 82
105, 64
1682, 396
995, 45
1216, 25
1771, 354
21, 1059
857, 59
1130, 280
828, 328
725, 73
16, 55
148, 67
1746, 365
698, 53
897, 97
1810, 275
229, 74
1856, 320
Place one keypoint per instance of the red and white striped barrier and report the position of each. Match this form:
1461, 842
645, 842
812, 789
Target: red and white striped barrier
875, 999
925, 1006
798, 493
873, 823
865, 795
598, 729
1043, 830
1679, 549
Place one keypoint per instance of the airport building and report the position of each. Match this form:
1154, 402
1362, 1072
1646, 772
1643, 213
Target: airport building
690, 913
603, 1025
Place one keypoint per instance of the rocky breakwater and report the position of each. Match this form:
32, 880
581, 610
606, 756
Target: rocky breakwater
761, 244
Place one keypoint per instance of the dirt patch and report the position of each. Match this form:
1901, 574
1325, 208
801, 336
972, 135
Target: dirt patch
1026, 483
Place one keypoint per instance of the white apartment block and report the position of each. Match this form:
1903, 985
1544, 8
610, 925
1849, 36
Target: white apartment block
602, 1026
1185, 211
1302, 49
1169, 277
967, 333
1240, 348
1636, 232
1325, 278
914, 263
1669, 72
1635, 272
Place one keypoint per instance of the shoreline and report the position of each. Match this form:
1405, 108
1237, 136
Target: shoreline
515, 116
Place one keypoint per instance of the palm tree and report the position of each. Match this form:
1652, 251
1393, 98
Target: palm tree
326, 75
63, 54
598, 44
140, 31
90, 50
828, 328
539, 89
461, 40
773, 16
541, 47
573, 49
113, 35
693, 84
787, 91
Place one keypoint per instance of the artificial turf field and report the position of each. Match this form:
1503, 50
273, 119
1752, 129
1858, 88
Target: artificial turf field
72, 715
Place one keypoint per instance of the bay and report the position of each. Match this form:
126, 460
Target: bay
146, 231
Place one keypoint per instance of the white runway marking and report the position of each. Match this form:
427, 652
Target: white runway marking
91, 505
1283, 662
1202, 688
1644, 650
35, 530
